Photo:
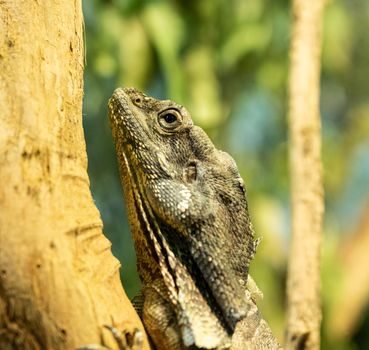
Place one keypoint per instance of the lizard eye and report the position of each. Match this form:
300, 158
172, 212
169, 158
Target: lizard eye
170, 119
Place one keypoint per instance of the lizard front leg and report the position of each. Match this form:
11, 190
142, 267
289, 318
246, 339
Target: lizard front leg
160, 319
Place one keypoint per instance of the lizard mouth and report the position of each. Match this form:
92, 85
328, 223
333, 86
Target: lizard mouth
129, 127
120, 114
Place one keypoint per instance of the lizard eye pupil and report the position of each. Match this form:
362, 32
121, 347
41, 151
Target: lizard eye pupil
169, 118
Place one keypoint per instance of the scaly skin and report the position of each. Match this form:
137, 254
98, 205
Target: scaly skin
190, 224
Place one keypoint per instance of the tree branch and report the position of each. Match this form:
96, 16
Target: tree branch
303, 285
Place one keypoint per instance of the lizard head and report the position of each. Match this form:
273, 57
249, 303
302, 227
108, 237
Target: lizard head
158, 136
150, 131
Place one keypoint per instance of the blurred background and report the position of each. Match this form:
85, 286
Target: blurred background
227, 62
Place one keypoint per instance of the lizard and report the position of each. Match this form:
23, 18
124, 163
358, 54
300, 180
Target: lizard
191, 229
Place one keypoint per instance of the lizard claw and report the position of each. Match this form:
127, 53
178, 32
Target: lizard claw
125, 340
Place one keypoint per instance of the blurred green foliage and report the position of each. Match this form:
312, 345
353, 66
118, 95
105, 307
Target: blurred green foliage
227, 62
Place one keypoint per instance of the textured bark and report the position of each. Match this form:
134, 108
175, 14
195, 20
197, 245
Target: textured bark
59, 282
303, 286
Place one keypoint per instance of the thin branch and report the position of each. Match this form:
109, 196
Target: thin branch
303, 285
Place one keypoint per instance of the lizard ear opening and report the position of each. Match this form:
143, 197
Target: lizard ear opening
190, 172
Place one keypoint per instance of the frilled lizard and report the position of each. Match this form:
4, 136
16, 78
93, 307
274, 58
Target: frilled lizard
191, 228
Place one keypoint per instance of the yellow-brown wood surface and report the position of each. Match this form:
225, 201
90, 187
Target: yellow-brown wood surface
59, 282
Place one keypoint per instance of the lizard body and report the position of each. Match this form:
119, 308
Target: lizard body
191, 228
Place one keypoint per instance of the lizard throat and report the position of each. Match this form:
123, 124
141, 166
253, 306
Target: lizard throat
148, 221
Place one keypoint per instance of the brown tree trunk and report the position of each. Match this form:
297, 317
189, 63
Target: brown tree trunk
303, 285
59, 282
